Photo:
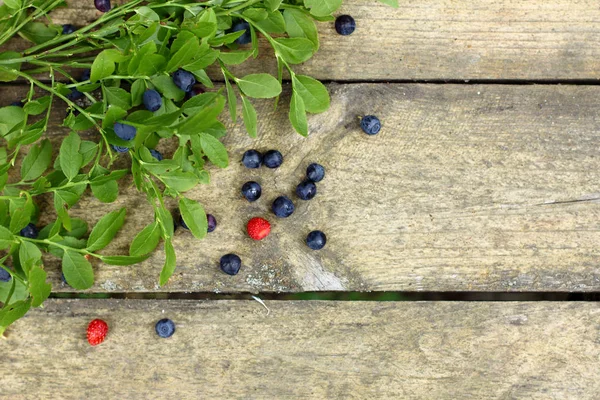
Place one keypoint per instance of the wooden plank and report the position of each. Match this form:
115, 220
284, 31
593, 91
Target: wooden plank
467, 188
234, 349
443, 40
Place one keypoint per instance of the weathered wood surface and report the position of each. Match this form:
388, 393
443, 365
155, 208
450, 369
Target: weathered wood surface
444, 39
234, 349
466, 188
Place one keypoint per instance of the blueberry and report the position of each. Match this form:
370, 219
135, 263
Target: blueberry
68, 28
156, 154
345, 25
119, 149
283, 207
182, 222
17, 104
30, 231
272, 159
4, 275
165, 328
306, 190
184, 80
102, 5
230, 264
316, 240
370, 125
212, 222
85, 75
152, 100
252, 159
74, 95
315, 172
247, 36
124, 131
251, 191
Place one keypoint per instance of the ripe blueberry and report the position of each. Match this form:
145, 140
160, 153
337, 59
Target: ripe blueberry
156, 154
119, 149
306, 190
102, 5
124, 131
247, 36
165, 328
74, 95
184, 80
85, 75
212, 222
272, 159
152, 100
315, 172
345, 25
316, 240
230, 264
30, 231
68, 28
370, 124
252, 159
4, 275
283, 207
251, 191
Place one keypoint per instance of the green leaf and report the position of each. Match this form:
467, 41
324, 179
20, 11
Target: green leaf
105, 230
88, 151
180, 181
12, 312
202, 119
137, 92
194, 217
274, 23
165, 219
77, 270
36, 107
272, 5
102, 67
313, 93
21, 214
164, 84
170, 263
113, 114
36, 161
298, 24
147, 14
234, 57
260, 86
118, 97
255, 14
70, 158
7, 70
294, 50
123, 260
10, 117
29, 256
67, 241
6, 238
38, 32
146, 240
231, 101
250, 119
214, 150
106, 192
39, 289
298, 115
13, 4
78, 228
184, 55
322, 8
112, 176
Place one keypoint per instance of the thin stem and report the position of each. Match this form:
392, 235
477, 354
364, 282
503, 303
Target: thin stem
51, 243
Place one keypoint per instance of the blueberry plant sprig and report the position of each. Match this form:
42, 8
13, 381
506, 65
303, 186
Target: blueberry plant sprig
129, 78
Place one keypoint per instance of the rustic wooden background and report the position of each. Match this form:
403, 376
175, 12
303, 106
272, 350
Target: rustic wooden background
480, 181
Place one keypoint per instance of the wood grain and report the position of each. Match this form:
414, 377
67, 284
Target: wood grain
442, 40
467, 188
320, 350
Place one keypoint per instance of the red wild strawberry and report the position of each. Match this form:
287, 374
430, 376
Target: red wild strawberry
96, 332
258, 228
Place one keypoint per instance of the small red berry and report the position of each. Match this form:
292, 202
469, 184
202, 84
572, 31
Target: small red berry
96, 332
258, 228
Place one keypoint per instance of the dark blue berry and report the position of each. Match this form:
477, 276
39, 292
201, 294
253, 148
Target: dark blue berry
230, 264
212, 222
156, 154
17, 104
30, 231
182, 222
251, 191
306, 190
85, 75
247, 36
315, 172
316, 240
119, 149
4, 275
370, 124
152, 100
68, 28
283, 207
124, 131
74, 95
252, 159
102, 5
272, 159
184, 80
165, 328
345, 25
